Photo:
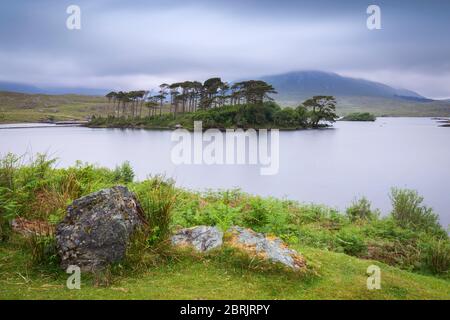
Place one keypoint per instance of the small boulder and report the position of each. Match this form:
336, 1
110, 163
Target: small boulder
201, 238
97, 227
265, 247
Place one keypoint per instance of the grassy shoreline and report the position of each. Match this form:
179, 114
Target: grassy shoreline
19, 107
338, 246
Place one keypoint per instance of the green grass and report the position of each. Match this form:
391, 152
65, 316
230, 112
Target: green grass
19, 107
190, 277
338, 247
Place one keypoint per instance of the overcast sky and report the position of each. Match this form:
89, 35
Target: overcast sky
130, 44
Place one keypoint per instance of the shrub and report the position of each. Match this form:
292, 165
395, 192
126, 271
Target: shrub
387, 228
409, 212
404, 254
436, 255
8, 171
361, 210
352, 243
220, 214
312, 213
38, 169
7, 212
187, 212
257, 215
317, 237
360, 116
124, 173
9, 165
303, 115
287, 117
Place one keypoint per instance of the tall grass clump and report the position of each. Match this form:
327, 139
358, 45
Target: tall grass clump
157, 197
7, 213
9, 166
43, 249
409, 212
124, 173
436, 256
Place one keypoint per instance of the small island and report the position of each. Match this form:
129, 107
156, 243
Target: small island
217, 104
359, 116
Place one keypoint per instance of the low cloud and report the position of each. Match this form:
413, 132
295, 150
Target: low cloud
140, 44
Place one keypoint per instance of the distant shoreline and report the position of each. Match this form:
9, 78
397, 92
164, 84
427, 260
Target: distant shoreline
441, 121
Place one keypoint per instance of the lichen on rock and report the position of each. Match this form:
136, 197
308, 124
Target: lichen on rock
97, 228
201, 238
265, 247
205, 238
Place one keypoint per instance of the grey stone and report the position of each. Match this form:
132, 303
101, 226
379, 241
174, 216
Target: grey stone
266, 247
201, 238
97, 228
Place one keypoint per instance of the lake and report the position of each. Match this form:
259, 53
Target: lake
330, 166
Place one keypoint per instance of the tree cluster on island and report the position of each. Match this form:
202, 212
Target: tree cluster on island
218, 103
359, 116
190, 96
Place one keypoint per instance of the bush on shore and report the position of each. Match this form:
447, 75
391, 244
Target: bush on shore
408, 212
361, 210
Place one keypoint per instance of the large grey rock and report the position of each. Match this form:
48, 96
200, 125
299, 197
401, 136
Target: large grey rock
97, 227
265, 247
201, 238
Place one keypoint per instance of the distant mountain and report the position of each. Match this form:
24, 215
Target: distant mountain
353, 95
17, 87
300, 85
25, 88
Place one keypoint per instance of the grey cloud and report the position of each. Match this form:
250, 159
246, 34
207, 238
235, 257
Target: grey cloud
126, 44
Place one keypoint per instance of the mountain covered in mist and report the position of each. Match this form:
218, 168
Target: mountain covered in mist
300, 85
30, 89
291, 86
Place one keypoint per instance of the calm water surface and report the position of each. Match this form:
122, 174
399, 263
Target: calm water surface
332, 166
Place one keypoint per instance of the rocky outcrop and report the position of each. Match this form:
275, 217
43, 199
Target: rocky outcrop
201, 238
97, 228
204, 238
265, 247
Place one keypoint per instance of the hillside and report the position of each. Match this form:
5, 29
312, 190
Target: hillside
304, 84
395, 107
30, 89
354, 95
20, 107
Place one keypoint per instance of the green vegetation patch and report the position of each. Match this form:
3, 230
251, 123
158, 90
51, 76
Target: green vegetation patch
409, 245
359, 116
